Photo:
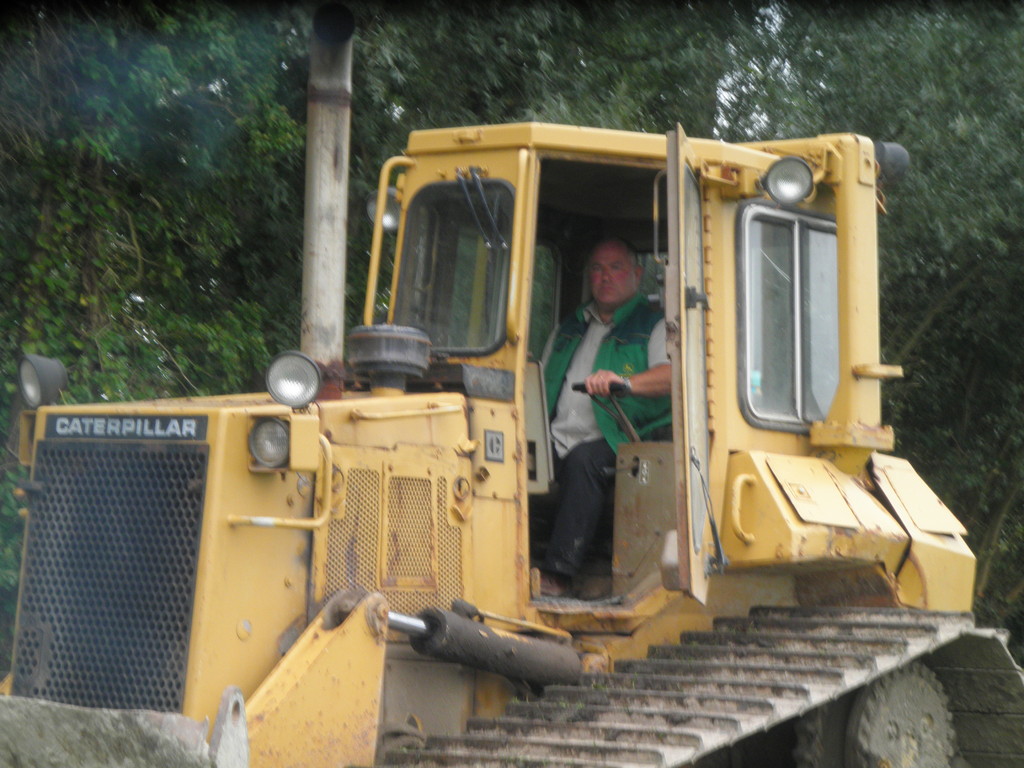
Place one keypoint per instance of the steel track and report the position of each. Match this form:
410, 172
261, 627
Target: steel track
686, 703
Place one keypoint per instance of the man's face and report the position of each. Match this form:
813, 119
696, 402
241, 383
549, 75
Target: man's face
614, 278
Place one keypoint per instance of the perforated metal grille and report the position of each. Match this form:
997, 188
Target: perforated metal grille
422, 551
410, 540
449, 549
352, 541
109, 574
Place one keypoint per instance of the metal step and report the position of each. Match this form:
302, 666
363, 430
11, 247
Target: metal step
632, 697
752, 650
445, 757
880, 614
797, 642
483, 747
620, 733
826, 628
740, 687
701, 722
705, 670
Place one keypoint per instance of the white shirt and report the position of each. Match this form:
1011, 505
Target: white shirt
574, 421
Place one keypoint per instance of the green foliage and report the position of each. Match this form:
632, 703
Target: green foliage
150, 202
630, 65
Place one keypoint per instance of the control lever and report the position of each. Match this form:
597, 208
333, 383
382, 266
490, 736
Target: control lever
615, 391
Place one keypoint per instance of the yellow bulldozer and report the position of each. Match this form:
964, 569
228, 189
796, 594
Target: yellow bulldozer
340, 571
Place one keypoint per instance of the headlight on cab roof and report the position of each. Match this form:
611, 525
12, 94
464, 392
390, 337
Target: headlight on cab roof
392, 209
293, 379
789, 181
268, 443
41, 380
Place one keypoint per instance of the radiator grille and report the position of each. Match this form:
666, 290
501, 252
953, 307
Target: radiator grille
352, 540
410, 539
109, 574
417, 562
449, 548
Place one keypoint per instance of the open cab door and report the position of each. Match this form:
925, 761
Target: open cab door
685, 305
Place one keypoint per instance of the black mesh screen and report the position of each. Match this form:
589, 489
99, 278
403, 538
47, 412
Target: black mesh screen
109, 574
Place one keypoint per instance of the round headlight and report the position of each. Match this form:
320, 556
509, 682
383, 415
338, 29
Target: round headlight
268, 443
41, 380
293, 379
392, 209
788, 181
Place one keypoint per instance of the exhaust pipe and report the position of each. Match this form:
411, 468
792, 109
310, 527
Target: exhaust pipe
329, 109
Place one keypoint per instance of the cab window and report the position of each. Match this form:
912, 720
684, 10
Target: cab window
546, 282
789, 326
455, 265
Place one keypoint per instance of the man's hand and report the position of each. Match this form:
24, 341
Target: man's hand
653, 382
599, 382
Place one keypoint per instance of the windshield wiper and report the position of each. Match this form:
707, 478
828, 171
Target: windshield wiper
491, 217
475, 173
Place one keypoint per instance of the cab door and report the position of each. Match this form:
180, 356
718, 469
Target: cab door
685, 305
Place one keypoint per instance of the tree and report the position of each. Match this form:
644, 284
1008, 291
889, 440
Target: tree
150, 202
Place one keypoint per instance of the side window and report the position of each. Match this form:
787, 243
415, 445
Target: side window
544, 298
789, 318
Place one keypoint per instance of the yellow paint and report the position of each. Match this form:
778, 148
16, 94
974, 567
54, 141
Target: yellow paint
323, 700
811, 490
878, 371
940, 569
378, 234
322, 500
801, 511
905, 488
304, 452
26, 431
245, 573
383, 422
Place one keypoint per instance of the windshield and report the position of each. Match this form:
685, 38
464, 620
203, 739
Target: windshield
454, 264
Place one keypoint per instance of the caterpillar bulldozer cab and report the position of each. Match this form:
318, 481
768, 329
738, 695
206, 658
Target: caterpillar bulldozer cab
340, 571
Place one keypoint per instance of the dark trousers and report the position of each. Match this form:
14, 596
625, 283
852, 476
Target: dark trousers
583, 484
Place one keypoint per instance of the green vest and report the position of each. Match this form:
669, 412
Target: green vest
623, 351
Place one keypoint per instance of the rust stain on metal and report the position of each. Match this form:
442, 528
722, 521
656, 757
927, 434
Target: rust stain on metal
377, 616
865, 587
334, 375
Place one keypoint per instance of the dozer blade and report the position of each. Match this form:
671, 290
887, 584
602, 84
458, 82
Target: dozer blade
35, 733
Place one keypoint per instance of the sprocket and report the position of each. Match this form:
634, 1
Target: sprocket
901, 720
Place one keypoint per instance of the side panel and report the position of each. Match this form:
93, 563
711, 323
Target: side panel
396, 530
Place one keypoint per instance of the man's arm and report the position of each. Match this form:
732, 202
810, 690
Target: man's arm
654, 382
